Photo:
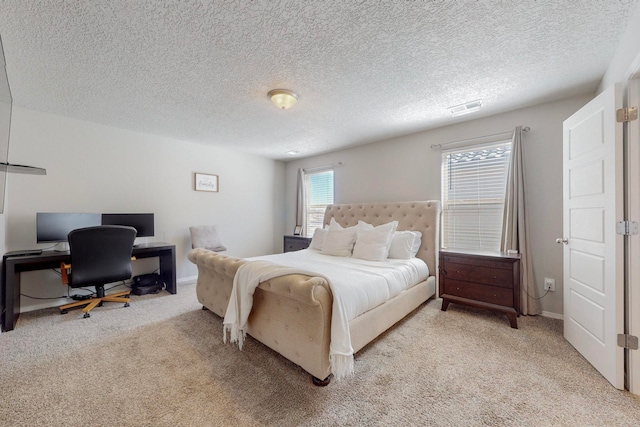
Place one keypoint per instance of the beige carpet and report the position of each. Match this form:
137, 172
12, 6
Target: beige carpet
161, 362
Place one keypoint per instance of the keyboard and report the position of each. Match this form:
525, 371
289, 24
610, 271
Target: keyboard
24, 252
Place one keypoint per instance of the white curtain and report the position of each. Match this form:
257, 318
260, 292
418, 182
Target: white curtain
301, 202
515, 229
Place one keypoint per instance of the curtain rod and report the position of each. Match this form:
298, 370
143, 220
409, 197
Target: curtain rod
524, 129
329, 166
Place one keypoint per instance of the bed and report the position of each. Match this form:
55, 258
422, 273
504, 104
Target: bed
292, 313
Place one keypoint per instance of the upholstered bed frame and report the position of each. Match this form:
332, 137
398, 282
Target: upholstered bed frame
292, 314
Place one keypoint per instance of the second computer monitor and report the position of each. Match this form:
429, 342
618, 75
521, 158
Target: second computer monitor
142, 222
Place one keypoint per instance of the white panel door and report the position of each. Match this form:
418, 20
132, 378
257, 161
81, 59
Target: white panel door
593, 252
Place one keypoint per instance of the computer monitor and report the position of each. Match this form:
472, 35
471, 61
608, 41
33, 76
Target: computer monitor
142, 222
53, 227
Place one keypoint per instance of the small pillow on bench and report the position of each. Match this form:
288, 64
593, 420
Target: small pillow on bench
207, 237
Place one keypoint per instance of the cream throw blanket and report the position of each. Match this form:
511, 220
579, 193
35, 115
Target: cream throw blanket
245, 282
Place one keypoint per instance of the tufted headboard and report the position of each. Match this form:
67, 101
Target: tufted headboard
417, 216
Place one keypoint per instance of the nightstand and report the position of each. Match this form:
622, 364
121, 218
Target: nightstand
296, 243
489, 280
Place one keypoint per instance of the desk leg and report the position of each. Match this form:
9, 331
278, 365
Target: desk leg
168, 269
11, 301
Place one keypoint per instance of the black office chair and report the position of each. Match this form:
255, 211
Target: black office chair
99, 255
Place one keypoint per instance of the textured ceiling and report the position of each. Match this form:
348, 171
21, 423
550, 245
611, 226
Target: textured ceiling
364, 70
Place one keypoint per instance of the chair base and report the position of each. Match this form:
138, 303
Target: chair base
96, 302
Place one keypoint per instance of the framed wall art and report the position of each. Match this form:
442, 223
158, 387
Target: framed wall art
206, 182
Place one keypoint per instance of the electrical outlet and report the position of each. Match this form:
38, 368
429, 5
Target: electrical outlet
549, 284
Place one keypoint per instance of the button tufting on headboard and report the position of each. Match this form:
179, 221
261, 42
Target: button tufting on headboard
417, 216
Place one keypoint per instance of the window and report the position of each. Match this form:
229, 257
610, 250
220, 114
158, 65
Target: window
319, 194
473, 188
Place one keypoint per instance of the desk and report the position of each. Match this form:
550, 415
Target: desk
14, 265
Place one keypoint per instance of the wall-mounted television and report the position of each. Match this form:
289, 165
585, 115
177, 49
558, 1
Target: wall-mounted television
53, 227
142, 222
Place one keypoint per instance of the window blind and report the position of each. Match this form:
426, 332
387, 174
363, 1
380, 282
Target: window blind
473, 188
319, 188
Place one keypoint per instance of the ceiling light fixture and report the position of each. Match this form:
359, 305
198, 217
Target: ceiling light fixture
466, 108
282, 98
292, 153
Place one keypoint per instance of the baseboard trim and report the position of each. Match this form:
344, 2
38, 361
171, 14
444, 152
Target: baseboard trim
552, 315
184, 280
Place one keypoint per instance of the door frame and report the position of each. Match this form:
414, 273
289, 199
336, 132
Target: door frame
632, 213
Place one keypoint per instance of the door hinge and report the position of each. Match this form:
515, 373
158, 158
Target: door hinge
627, 228
628, 341
628, 114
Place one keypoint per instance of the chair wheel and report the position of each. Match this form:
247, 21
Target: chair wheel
86, 315
126, 304
64, 311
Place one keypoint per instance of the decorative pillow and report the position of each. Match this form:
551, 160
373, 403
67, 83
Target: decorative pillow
318, 239
364, 225
405, 244
207, 237
417, 241
373, 244
339, 241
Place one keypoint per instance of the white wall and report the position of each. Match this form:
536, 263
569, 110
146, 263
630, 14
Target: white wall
3, 229
406, 168
96, 168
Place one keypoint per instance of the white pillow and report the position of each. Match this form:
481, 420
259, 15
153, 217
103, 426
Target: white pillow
364, 225
339, 241
318, 239
405, 244
373, 244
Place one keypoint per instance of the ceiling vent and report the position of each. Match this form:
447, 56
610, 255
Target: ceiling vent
469, 107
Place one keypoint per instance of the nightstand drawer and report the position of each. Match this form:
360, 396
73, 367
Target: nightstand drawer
488, 263
490, 294
487, 276
296, 243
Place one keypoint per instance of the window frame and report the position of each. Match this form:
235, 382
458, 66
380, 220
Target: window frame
484, 231
311, 223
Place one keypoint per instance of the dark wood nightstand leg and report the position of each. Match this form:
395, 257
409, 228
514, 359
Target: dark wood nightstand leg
513, 320
445, 304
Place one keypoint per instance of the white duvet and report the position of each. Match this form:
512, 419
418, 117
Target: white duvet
362, 284
357, 287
